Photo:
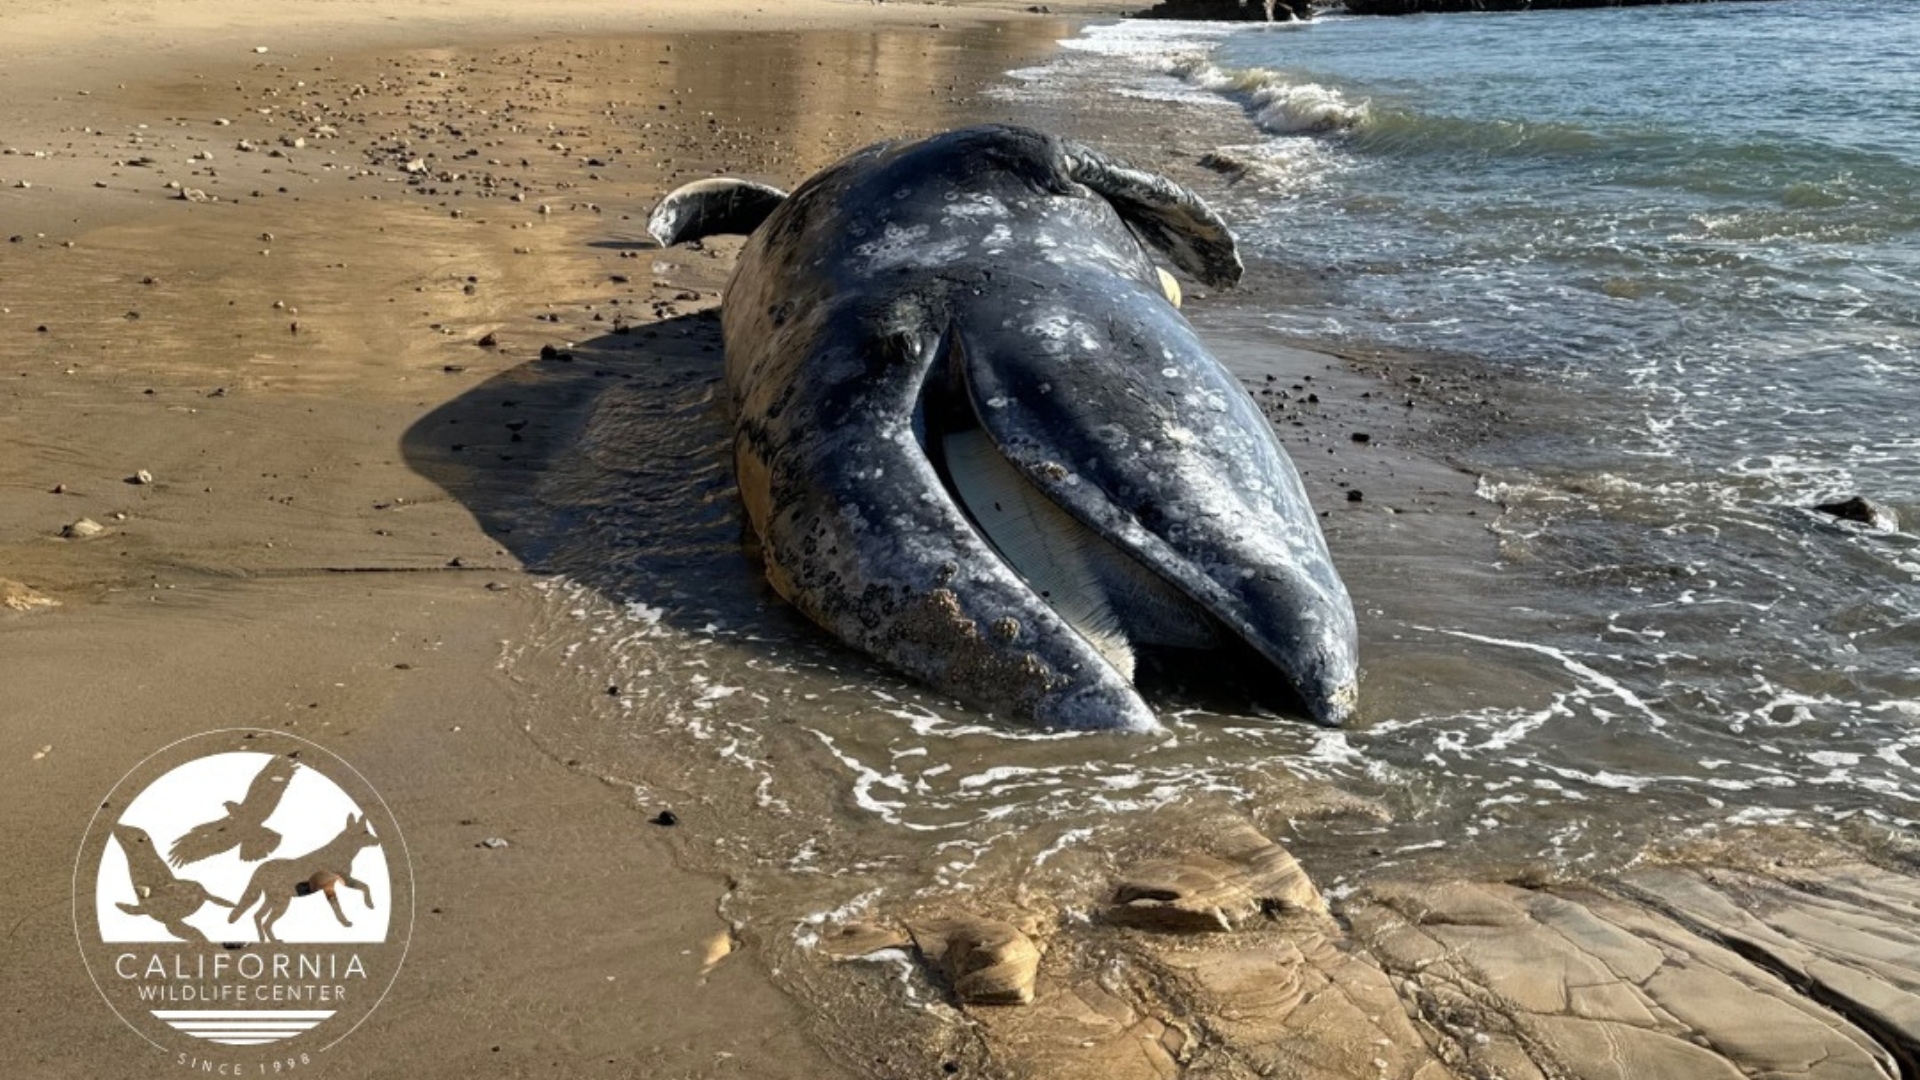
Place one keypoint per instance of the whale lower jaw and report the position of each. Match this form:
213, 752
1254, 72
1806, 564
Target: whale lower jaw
1113, 601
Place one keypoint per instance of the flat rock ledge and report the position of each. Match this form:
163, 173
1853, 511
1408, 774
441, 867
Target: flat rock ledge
1229, 964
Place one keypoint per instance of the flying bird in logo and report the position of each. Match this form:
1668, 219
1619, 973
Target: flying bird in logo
244, 825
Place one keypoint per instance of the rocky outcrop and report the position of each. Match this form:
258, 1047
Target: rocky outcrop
1423, 7
984, 961
1230, 10
1227, 962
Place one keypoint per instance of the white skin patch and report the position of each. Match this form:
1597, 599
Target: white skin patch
977, 206
895, 246
1059, 328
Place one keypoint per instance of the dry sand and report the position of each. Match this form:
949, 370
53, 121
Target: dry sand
259, 346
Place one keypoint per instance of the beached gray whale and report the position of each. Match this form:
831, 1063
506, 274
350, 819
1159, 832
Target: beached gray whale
978, 440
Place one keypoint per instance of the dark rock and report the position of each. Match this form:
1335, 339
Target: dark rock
1230, 10
665, 819
1424, 7
1863, 510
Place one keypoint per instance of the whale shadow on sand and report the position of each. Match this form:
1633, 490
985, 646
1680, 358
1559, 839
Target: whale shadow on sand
609, 462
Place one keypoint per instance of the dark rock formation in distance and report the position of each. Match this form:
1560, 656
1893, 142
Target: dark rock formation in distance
1423, 7
1230, 10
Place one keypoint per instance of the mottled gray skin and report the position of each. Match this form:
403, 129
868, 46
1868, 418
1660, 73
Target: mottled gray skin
858, 301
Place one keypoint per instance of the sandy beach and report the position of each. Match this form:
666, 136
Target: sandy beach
222, 274
318, 324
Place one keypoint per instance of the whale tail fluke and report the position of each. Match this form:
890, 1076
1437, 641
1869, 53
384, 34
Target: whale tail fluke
720, 206
1166, 215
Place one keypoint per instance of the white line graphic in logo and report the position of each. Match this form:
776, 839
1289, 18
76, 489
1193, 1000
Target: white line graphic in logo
251, 890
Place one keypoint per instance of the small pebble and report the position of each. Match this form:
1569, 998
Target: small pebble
493, 843
141, 477
665, 818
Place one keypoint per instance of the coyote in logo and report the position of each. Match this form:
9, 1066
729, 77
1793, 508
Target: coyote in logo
278, 882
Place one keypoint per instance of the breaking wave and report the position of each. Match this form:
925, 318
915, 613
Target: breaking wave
1278, 104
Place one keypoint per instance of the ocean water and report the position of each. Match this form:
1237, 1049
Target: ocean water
1688, 240
1681, 246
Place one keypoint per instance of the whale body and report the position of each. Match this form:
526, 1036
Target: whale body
978, 440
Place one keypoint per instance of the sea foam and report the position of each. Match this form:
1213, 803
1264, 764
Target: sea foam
1279, 105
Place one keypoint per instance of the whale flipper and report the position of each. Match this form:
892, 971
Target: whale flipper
721, 206
1164, 214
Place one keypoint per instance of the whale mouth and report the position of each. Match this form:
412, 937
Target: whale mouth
1146, 627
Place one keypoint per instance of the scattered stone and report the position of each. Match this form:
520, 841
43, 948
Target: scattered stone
19, 596
1362, 437
665, 819
140, 477
1354, 495
488, 341
84, 529
1864, 511
985, 961
718, 948
493, 843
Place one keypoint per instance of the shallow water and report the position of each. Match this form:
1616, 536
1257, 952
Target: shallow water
1688, 237
1678, 281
